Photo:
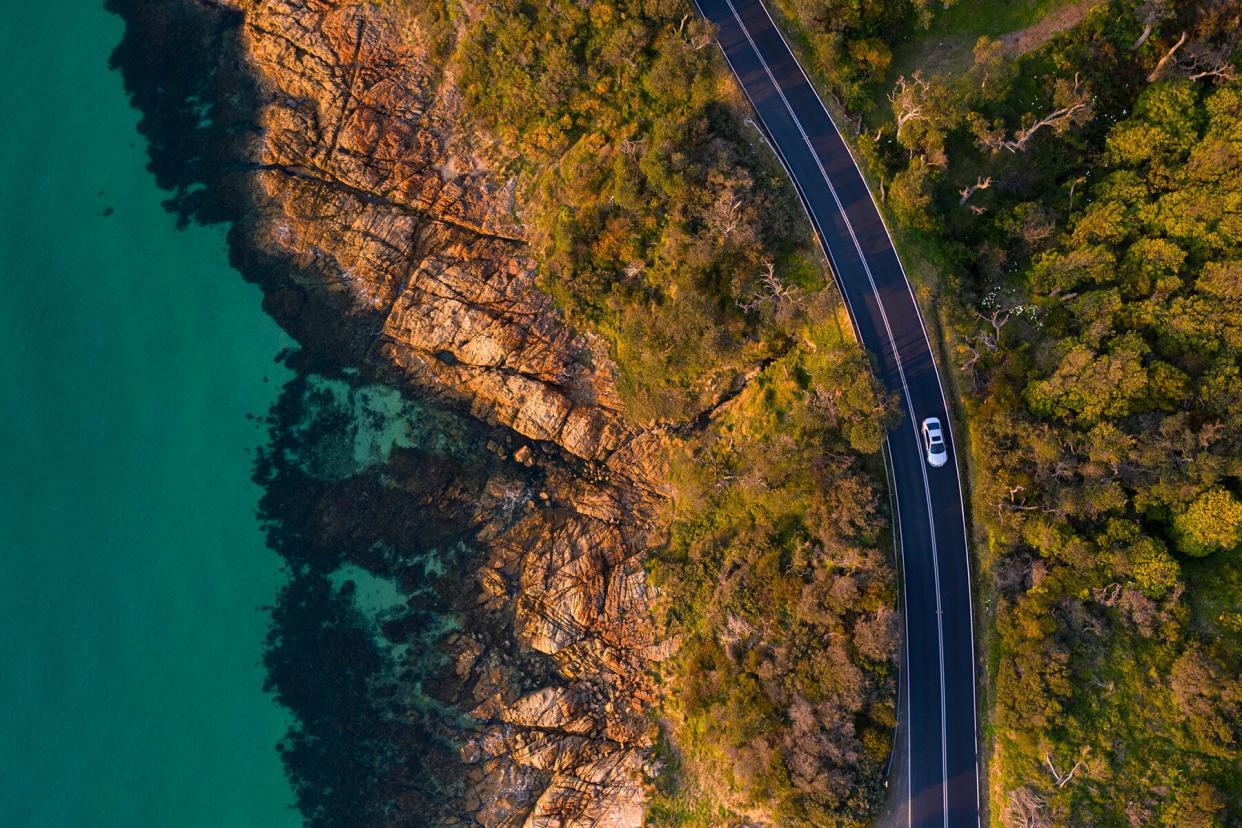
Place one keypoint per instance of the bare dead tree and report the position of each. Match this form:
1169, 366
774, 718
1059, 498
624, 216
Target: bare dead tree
772, 291
1073, 184
725, 216
987, 342
976, 346
1025, 809
974, 356
1073, 103
997, 319
1210, 60
909, 100
1063, 779
1025, 507
1198, 59
777, 291
1107, 595
981, 184
695, 41
631, 146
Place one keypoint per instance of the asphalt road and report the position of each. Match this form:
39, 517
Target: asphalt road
942, 774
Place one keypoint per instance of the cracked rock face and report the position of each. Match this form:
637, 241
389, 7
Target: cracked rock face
385, 246
352, 162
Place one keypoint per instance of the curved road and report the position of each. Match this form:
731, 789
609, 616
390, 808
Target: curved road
942, 769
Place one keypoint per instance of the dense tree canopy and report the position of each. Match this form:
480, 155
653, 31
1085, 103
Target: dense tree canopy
1121, 456
1081, 203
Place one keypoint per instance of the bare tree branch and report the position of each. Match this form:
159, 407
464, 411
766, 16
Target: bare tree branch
907, 99
1155, 73
1025, 809
1198, 59
1074, 107
981, 184
1151, 14
1107, 595
1062, 781
1205, 60
974, 356
772, 292
985, 342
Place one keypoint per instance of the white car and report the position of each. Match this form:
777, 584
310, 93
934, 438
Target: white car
933, 443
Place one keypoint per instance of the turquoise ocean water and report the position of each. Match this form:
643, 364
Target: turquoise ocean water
132, 570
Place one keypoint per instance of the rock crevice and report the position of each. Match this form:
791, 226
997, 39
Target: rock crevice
321, 134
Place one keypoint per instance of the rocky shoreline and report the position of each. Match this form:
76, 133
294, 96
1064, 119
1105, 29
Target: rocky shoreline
389, 251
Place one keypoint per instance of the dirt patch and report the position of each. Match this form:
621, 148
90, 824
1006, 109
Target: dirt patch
1032, 37
951, 54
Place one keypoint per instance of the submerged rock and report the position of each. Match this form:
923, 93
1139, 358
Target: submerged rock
386, 248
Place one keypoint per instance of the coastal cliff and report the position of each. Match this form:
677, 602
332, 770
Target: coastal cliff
387, 249
518, 399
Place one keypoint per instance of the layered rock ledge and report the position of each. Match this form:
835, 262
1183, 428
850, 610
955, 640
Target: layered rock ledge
384, 245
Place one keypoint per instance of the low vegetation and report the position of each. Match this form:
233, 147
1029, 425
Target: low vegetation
664, 226
655, 217
777, 579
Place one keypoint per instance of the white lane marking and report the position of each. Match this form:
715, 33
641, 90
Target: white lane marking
974, 709
944, 766
904, 676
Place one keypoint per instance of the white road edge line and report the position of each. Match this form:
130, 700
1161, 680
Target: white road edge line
944, 761
974, 708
